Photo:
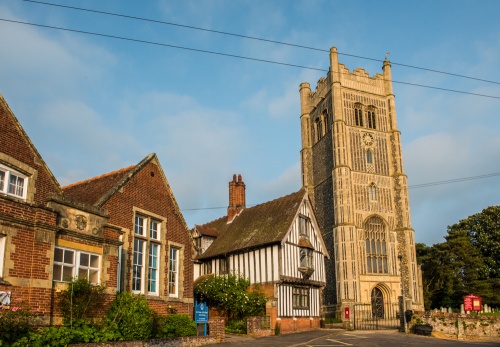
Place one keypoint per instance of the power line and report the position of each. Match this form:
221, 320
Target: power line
455, 180
225, 54
251, 38
422, 185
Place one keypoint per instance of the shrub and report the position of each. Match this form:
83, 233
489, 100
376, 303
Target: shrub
63, 336
81, 301
177, 325
15, 322
131, 316
230, 294
236, 326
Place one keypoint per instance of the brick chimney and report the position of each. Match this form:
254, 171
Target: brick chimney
236, 198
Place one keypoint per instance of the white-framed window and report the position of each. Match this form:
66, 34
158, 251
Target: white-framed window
173, 272
13, 183
300, 298
3, 238
146, 255
153, 266
71, 263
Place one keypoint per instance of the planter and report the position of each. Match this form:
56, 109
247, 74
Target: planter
425, 330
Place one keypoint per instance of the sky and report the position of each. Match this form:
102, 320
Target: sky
92, 104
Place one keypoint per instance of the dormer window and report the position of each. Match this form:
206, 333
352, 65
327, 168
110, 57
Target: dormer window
12, 182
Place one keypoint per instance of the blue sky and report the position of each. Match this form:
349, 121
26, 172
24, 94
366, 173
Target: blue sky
93, 104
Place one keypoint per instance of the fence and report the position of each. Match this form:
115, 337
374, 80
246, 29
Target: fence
384, 316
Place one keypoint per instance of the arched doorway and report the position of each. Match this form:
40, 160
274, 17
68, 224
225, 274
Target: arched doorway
377, 303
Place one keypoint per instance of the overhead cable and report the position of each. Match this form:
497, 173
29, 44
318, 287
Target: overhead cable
225, 54
252, 38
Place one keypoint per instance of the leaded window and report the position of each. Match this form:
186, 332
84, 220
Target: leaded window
300, 298
376, 246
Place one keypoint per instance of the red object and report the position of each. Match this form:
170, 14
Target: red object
472, 302
346, 312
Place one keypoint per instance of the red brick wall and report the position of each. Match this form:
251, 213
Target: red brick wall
290, 325
147, 191
15, 144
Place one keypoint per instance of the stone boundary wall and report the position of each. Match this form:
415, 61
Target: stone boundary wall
259, 326
460, 326
216, 335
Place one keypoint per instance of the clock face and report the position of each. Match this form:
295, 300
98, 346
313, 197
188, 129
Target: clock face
368, 139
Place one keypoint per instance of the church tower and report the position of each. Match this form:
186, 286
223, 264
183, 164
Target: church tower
352, 165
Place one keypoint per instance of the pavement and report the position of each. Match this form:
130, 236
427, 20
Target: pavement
343, 338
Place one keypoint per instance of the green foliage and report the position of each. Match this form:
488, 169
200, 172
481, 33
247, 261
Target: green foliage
229, 294
467, 262
64, 336
332, 320
236, 326
132, 316
15, 322
177, 325
81, 301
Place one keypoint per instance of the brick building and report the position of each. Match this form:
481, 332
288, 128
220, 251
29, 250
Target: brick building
122, 229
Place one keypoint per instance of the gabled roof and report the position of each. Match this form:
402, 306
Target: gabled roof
92, 189
96, 191
206, 231
256, 226
11, 130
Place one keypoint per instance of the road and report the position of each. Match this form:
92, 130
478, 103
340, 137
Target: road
342, 338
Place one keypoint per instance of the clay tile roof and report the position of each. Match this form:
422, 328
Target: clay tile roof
91, 190
256, 226
207, 231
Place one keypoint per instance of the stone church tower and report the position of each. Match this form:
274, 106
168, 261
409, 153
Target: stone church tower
352, 165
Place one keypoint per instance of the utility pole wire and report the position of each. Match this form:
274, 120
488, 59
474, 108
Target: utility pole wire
252, 38
422, 185
225, 54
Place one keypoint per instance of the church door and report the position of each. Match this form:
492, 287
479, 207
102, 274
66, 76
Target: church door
377, 303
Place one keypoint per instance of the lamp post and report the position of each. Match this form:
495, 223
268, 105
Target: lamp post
403, 304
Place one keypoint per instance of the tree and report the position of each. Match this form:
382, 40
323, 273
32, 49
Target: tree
467, 262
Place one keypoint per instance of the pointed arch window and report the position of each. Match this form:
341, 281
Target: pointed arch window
369, 156
370, 115
372, 189
376, 246
358, 116
324, 121
317, 130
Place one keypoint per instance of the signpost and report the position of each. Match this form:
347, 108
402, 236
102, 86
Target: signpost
201, 315
472, 303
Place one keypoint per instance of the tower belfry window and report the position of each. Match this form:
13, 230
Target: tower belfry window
371, 119
358, 116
